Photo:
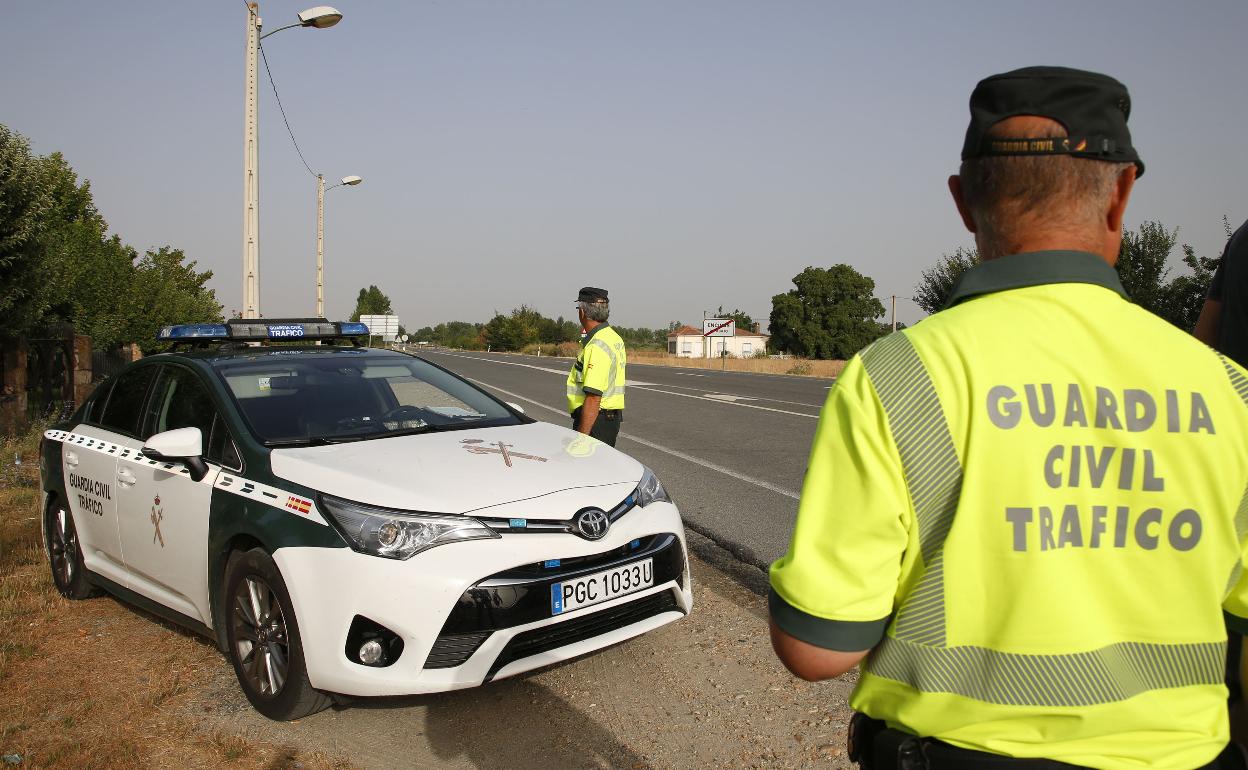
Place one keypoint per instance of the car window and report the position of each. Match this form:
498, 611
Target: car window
125, 401
347, 396
181, 401
95, 407
221, 447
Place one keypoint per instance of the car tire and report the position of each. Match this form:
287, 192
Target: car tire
263, 642
65, 553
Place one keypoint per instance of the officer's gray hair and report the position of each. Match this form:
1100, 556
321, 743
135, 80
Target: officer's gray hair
596, 311
1008, 195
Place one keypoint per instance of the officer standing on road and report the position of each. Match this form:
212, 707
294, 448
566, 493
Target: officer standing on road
1022, 511
596, 381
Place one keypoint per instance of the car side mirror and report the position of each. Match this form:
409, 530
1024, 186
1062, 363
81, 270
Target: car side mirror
516, 406
183, 445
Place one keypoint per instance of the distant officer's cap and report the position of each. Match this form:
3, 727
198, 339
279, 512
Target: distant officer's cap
591, 294
1092, 107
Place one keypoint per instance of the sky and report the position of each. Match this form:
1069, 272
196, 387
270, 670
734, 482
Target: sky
684, 155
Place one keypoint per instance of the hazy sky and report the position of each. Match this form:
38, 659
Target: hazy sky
682, 154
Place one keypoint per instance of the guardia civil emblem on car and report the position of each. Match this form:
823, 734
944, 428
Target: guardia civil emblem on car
346, 521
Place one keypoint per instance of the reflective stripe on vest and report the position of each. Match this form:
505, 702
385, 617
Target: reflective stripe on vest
915, 653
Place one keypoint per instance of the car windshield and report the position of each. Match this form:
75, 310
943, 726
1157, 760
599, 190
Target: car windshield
303, 399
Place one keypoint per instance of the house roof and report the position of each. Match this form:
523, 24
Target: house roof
689, 331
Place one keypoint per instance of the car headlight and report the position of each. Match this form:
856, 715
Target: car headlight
651, 490
399, 534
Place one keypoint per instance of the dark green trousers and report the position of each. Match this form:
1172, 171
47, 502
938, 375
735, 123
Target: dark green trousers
606, 428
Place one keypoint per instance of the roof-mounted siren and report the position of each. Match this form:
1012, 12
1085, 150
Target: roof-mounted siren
262, 330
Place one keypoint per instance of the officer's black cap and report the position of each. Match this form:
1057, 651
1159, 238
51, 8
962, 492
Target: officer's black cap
591, 294
1093, 108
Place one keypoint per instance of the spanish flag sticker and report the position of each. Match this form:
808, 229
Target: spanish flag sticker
298, 504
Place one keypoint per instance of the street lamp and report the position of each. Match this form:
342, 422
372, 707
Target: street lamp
319, 17
350, 181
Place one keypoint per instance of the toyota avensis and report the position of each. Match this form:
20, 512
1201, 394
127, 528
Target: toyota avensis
352, 521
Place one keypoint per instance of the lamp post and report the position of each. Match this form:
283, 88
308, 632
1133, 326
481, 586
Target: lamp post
319, 17
350, 181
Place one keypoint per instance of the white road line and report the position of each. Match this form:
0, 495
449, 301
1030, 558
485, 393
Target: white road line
659, 447
684, 374
727, 403
643, 386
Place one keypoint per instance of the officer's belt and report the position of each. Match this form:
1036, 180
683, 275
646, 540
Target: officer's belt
876, 746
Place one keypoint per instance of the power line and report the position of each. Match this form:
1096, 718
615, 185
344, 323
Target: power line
283, 111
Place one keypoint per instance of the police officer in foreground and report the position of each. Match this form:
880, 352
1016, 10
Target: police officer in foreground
1021, 513
596, 381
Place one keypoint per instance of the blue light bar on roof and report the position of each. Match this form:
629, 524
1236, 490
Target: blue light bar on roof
264, 330
192, 331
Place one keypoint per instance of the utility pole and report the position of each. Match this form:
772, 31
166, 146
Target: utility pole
320, 245
894, 312
251, 171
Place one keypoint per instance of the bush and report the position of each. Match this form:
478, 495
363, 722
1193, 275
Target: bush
801, 367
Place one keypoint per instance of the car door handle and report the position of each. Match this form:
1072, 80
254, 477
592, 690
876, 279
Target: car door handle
71, 459
126, 477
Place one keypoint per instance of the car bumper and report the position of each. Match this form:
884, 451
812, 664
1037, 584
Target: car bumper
446, 644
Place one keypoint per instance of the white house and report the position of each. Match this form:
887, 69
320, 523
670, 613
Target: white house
688, 342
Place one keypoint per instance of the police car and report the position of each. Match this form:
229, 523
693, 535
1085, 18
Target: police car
352, 521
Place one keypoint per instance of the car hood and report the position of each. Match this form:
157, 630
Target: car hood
466, 471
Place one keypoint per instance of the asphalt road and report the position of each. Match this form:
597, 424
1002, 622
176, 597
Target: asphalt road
731, 447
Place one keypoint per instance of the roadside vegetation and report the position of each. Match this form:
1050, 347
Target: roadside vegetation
59, 264
95, 683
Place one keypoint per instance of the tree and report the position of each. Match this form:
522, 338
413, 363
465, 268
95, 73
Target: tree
1143, 267
936, 283
829, 314
743, 319
371, 301
169, 290
25, 202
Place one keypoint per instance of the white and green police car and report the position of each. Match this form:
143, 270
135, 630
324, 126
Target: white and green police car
352, 521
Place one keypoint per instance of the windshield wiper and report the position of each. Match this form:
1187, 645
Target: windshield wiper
316, 440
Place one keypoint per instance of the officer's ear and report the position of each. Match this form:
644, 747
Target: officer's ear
1118, 199
955, 189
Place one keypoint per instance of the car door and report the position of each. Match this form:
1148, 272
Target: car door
90, 459
163, 512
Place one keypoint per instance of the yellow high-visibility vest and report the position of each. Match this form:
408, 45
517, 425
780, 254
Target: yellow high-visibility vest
599, 370
1032, 506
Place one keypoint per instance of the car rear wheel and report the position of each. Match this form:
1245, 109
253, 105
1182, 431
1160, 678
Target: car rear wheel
65, 553
263, 640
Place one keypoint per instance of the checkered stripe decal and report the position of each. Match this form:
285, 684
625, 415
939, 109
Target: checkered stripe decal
226, 481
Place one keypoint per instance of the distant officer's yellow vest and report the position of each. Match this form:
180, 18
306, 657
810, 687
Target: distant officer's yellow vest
1034, 503
599, 370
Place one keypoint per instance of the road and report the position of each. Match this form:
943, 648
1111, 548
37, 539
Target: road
731, 447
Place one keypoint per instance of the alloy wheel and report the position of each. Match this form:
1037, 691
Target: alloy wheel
260, 639
63, 547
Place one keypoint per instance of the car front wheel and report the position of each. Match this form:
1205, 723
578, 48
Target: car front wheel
65, 553
263, 640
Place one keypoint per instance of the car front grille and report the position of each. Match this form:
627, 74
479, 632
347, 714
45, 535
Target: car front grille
451, 650
539, 640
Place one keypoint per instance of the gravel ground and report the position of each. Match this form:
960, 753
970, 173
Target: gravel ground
705, 691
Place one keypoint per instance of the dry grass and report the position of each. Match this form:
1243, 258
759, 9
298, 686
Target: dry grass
96, 684
800, 366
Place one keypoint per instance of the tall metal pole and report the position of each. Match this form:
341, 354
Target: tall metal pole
320, 245
894, 312
251, 171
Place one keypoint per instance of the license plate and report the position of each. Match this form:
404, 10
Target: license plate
601, 586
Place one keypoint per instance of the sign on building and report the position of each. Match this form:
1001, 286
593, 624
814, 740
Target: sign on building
719, 327
384, 326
